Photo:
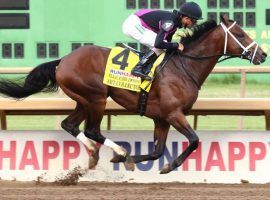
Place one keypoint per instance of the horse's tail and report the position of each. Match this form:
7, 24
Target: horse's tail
40, 79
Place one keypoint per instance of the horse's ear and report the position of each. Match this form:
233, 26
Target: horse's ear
224, 18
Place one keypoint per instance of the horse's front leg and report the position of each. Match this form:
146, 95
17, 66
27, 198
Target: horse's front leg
160, 137
178, 120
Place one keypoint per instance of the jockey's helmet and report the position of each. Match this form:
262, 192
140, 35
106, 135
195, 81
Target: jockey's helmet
191, 10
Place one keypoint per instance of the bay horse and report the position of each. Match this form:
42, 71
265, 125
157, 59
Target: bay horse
174, 90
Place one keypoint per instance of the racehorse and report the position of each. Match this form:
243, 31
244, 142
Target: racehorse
173, 92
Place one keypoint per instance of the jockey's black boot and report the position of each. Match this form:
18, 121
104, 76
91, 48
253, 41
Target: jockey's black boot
147, 59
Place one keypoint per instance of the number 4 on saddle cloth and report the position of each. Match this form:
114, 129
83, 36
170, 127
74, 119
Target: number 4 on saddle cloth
118, 70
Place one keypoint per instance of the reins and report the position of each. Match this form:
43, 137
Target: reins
162, 65
229, 56
195, 81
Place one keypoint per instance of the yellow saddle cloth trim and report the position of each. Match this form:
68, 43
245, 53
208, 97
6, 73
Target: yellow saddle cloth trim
118, 70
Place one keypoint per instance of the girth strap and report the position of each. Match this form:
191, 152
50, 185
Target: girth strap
142, 102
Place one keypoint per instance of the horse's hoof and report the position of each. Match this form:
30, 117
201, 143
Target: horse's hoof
118, 159
93, 160
92, 163
127, 160
129, 163
166, 169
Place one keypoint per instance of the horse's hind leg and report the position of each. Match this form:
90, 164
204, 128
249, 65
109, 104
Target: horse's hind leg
71, 125
95, 114
72, 122
160, 136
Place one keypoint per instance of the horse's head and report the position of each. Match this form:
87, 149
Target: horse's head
238, 42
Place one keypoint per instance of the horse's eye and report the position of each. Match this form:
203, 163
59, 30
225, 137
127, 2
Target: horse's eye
241, 35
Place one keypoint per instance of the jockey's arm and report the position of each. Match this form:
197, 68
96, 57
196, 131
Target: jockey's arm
160, 43
163, 42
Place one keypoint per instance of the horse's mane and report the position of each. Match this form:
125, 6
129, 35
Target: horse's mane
199, 30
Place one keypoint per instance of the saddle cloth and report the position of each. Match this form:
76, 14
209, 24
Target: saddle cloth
118, 70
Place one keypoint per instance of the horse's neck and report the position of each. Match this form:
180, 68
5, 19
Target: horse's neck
211, 44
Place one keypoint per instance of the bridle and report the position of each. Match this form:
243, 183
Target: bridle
246, 54
246, 51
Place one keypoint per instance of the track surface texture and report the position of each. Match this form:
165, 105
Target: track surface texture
52, 191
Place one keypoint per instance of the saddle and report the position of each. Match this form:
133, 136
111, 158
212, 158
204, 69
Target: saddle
118, 73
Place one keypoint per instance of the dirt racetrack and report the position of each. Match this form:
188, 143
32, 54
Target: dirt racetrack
171, 191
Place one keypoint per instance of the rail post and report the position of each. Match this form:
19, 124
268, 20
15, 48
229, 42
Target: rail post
267, 120
3, 120
242, 94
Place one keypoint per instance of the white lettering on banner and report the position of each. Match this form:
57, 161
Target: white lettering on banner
265, 47
252, 34
265, 34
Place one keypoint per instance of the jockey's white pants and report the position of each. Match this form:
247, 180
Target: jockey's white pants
132, 27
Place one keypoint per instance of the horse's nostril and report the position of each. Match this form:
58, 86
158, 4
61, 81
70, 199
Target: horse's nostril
264, 54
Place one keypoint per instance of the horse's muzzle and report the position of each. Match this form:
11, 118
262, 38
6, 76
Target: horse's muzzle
260, 58
264, 56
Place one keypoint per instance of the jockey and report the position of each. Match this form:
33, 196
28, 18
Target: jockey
155, 28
